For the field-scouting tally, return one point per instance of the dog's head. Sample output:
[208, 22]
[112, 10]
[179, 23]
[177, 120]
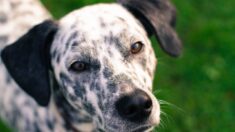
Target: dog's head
[101, 60]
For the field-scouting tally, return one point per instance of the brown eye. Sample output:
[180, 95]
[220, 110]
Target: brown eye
[136, 47]
[78, 66]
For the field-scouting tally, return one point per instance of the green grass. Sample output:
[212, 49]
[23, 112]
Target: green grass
[200, 85]
[4, 128]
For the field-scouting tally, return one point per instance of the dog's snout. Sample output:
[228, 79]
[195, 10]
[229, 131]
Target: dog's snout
[135, 107]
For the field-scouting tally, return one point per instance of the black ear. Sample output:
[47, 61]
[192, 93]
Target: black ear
[27, 60]
[158, 18]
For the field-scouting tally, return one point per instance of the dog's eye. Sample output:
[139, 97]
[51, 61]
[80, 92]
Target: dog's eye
[78, 66]
[136, 47]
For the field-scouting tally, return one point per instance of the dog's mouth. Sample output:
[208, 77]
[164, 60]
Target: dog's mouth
[146, 128]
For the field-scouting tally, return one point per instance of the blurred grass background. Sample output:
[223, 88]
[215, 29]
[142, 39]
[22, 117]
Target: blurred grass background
[200, 85]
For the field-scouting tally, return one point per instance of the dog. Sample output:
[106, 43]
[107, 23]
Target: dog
[92, 70]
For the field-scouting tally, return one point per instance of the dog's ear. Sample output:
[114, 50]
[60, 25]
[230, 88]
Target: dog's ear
[158, 17]
[27, 60]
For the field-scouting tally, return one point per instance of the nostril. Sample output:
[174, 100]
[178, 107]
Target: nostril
[148, 105]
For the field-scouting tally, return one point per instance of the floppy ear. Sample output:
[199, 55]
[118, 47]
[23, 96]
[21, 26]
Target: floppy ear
[158, 18]
[27, 60]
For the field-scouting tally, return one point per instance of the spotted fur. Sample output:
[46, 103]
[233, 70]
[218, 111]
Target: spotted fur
[99, 35]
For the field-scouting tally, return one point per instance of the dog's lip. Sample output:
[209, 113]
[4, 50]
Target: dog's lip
[144, 128]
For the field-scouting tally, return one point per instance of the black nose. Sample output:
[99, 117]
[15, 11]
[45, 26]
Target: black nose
[135, 107]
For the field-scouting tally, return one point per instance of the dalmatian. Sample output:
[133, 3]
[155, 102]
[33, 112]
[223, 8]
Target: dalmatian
[92, 70]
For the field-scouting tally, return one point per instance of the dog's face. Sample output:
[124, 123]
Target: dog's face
[102, 63]
[100, 55]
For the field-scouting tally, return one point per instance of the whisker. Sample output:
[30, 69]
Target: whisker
[156, 91]
[162, 103]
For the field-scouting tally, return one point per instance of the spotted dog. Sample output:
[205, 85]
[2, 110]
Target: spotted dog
[92, 70]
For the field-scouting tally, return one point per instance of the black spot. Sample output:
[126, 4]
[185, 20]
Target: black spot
[35, 114]
[28, 127]
[145, 80]
[53, 54]
[17, 92]
[73, 97]
[8, 79]
[80, 90]
[143, 62]
[72, 37]
[74, 44]
[80, 40]
[149, 72]
[50, 124]
[96, 42]
[107, 72]
[111, 39]
[73, 26]
[89, 108]
[28, 103]
[95, 64]
[112, 87]
[3, 39]
[108, 66]
[100, 100]
[36, 127]
[122, 19]
[58, 57]
[110, 53]
[64, 78]
[15, 115]
[100, 120]
[3, 17]
[102, 23]
[15, 4]
[98, 130]
[85, 119]
[95, 86]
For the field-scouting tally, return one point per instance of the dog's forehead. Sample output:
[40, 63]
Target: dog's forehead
[92, 26]
[101, 18]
